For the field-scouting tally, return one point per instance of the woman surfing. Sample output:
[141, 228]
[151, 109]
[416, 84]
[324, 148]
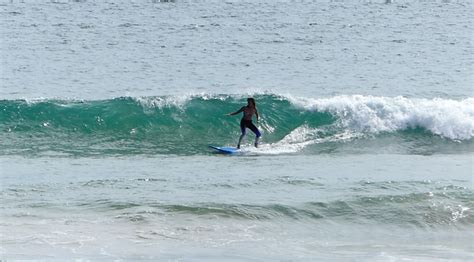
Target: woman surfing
[249, 110]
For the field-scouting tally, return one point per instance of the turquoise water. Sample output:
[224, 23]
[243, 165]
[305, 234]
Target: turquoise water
[107, 110]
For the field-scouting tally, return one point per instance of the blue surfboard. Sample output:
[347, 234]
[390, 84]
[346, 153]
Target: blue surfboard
[225, 149]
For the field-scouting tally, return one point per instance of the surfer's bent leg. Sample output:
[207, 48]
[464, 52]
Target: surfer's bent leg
[257, 133]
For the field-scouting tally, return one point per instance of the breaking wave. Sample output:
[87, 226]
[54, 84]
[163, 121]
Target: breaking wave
[187, 124]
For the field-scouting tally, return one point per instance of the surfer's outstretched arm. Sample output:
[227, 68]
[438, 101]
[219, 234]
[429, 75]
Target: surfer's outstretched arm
[236, 112]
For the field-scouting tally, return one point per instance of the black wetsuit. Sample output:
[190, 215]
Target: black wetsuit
[248, 124]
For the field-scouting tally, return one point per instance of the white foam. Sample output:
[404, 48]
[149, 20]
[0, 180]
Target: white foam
[163, 101]
[291, 143]
[297, 140]
[178, 101]
[452, 119]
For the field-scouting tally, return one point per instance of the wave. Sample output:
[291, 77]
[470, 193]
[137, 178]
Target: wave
[419, 203]
[422, 209]
[187, 124]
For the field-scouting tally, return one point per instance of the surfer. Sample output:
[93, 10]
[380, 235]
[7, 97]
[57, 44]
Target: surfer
[249, 110]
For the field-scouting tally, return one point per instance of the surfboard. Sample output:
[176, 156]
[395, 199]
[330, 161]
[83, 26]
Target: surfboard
[225, 149]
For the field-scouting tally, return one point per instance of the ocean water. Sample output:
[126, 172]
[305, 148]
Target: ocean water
[107, 109]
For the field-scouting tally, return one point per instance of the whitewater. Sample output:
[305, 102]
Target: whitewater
[107, 109]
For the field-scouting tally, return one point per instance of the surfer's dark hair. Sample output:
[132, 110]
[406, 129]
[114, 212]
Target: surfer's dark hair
[252, 102]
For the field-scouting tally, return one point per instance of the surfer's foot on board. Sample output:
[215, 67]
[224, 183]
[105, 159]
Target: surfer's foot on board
[256, 141]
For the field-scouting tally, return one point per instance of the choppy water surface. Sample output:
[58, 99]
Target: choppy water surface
[105, 49]
[107, 109]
